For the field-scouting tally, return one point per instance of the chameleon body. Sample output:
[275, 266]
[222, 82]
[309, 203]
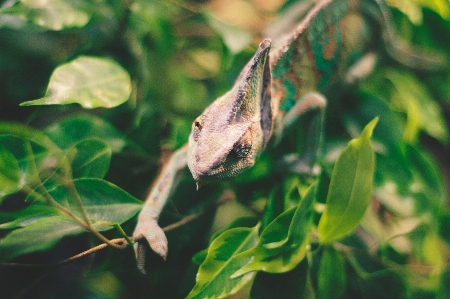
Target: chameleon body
[336, 42]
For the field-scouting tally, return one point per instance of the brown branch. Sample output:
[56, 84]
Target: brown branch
[121, 243]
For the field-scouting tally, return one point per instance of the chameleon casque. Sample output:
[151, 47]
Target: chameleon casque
[336, 43]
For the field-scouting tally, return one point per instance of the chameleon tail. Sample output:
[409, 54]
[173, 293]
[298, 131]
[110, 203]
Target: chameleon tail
[402, 52]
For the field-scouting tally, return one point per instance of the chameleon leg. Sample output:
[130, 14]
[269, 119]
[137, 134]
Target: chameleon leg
[147, 227]
[314, 103]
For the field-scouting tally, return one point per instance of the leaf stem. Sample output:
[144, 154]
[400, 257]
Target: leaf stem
[51, 201]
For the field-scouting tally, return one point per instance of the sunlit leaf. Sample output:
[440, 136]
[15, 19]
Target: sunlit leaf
[413, 8]
[331, 276]
[213, 278]
[51, 14]
[92, 158]
[279, 249]
[423, 113]
[71, 130]
[350, 188]
[9, 173]
[89, 81]
[236, 39]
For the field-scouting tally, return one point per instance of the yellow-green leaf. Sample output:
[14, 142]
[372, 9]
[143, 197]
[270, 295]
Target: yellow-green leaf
[350, 188]
[89, 81]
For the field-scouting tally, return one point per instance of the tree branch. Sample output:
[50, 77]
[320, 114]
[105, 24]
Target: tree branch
[121, 243]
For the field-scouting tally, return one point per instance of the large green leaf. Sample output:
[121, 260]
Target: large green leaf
[103, 202]
[89, 81]
[39, 235]
[213, 278]
[51, 14]
[350, 188]
[92, 158]
[73, 129]
[280, 249]
[101, 199]
[9, 173]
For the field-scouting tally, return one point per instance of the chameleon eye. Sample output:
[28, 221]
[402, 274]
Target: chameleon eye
[197, 127]
[244, 149]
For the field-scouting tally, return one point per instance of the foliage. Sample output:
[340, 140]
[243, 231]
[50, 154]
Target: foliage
[372, 222]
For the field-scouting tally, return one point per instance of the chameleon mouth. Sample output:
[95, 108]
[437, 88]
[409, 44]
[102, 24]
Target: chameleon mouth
[223, 172]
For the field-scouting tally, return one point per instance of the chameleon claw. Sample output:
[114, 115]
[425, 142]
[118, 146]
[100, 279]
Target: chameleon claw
[154, 235]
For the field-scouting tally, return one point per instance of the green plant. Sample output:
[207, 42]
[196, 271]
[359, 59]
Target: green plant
[70, 176]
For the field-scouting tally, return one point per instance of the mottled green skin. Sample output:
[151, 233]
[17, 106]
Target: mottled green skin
[319, 53]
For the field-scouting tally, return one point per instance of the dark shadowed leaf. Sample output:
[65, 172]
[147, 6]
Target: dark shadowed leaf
[76, 128]
[331, 276]
[9, 173]
[289, 285]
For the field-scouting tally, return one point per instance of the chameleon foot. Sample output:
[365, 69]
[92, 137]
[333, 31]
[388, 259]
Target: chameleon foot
[155, 236]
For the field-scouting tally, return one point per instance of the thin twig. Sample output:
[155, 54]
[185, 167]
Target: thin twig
[121, 243]
[51, 201]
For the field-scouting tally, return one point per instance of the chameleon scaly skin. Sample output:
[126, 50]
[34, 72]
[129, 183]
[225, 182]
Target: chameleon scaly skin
[336, 42]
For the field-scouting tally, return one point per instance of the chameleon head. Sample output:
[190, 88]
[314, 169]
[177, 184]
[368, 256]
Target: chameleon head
[227, 136]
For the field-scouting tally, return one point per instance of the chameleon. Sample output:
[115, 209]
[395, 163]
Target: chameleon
[336, 43]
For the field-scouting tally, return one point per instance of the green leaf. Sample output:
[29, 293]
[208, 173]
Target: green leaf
[36, 163]
[89, 81]
[76, 128]
[51, 14]
[21, 131]
[331, 277]
[235, 39]
[103, 201]
[26, 216]
[289, 285]
[280, 249]
[9, 173]
[92, 158]
[213, 277]
[39, 235]
[413, 9]
[422, 111]
[350, 188]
